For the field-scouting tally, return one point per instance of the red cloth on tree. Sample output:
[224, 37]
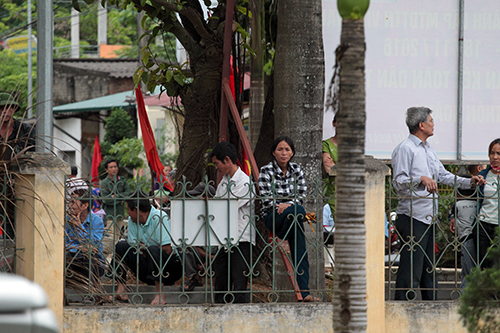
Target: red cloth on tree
[150, 143]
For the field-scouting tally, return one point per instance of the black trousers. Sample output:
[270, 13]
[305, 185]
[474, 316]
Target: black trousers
[79, 267]
[147, 267]
[231, 274]
[289, 225]
[485, 233]
[416, 266]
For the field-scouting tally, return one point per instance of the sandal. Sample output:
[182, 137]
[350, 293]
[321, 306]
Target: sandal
[191, 284]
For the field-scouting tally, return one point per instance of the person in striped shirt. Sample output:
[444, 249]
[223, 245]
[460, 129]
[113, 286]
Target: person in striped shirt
[283, 189]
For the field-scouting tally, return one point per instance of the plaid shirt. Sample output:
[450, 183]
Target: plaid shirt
[276, 188]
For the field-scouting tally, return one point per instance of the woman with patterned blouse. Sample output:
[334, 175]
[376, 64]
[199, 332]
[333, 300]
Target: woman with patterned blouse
[283, 188]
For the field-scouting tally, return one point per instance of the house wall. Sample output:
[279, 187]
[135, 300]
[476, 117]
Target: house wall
[117, 85]
[155, 113]
[66, 147]
[74, 85]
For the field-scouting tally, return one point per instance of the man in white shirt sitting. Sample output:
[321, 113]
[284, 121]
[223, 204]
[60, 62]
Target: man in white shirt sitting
[234, 184]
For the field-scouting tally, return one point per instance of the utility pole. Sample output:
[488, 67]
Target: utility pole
[102, 26]
[45, 28]
[30, 65]
[75, 34]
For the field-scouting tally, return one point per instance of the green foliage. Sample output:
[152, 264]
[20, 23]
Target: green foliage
[129, 152]
[141, 182]
[269, 66]
[122, 26]
[163, 48]
[121, 144]
[13, 14]
[156, 71]
[162, 141]
[14, 76]
[479, 305]
[119, 125]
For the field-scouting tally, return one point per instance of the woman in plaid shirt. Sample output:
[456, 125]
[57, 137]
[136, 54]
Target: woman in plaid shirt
[283, 188]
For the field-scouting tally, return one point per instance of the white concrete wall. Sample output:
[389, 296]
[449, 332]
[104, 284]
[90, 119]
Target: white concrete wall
[63, 143]
[157, 112]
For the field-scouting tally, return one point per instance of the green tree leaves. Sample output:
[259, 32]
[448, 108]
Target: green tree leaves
[119, 125]
[14, 76]
[479, 307]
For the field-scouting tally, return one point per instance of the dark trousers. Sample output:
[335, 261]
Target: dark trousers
[484, 233]
[79, 268]
[231, 274]
[289, 225]
[416, 260]
[147, 266]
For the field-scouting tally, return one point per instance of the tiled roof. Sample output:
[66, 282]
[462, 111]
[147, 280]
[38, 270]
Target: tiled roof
[118, 68]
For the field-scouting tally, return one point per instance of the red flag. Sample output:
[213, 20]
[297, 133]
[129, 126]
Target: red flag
[246, 163]
[149, 141]
[96, 161]
[231, 77]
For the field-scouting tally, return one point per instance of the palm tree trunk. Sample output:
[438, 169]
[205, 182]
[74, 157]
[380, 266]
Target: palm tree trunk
[349, 299]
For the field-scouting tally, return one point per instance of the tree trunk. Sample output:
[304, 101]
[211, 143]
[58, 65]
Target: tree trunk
[257, 73]
[299, 94]
[350, 279]
[201, 102]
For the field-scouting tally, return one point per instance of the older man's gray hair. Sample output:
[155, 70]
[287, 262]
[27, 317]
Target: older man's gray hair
[415, 116]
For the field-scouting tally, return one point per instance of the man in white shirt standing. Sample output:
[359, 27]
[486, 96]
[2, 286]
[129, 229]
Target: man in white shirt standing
[417, 170]
[234, 184]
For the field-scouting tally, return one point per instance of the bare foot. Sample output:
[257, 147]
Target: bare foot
[120, 294]
[309, 298]
[156, 300]
[284, 245]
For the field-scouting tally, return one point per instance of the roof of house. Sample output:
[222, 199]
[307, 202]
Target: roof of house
[118, 68]
[124, 100]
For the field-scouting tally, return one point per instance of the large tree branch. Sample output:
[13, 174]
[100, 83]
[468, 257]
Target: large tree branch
[165, 16]
[191, 14]
[184, 37]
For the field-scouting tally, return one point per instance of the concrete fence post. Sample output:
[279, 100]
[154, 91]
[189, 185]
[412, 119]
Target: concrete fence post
[376, 171]
[39, 193]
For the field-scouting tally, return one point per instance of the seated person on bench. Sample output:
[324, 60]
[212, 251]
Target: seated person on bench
[83, 239]
[148, 245]
[232, 265]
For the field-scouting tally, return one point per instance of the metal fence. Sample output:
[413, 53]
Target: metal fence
[210, 259]
[431, 260]
[219, 252]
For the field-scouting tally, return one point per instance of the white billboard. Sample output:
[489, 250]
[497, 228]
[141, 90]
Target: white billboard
[412, 60]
